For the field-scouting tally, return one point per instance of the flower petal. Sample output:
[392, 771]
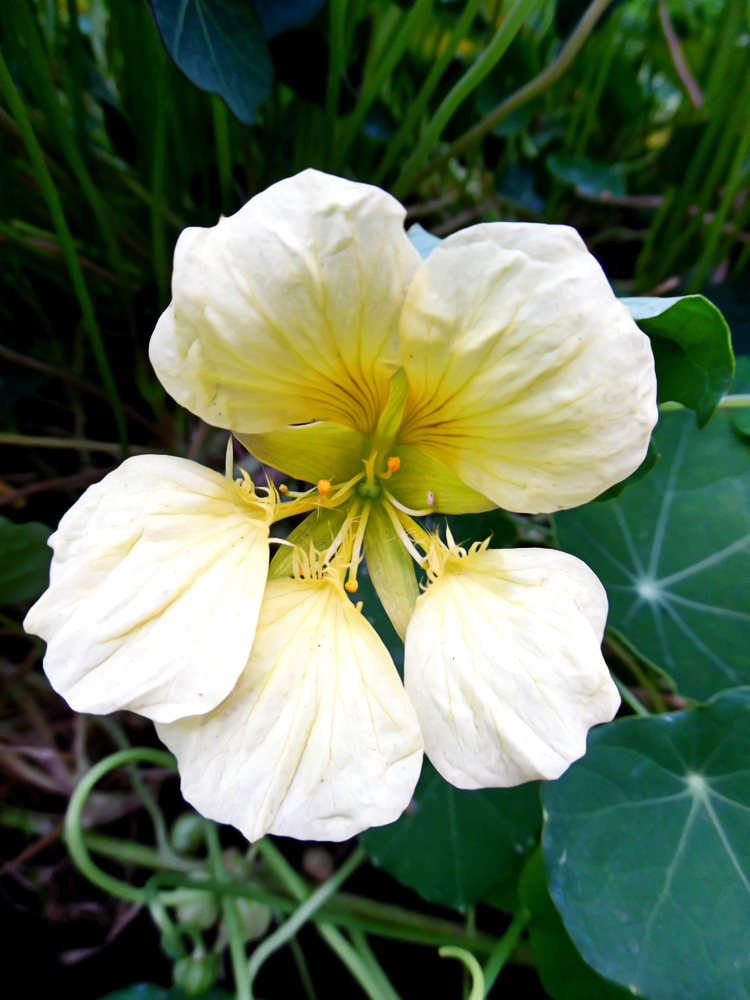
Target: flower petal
[155, 587]
[287, 311]
[311, 451]
[318, 740]
[529, 379]
[504, 668]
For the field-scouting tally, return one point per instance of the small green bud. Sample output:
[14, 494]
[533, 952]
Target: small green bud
[188, 833]
[196, 975]
[197, 909]
[254, 918]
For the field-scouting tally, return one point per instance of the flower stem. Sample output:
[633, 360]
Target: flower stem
[503, 948]
[303, 913]
[232, 923]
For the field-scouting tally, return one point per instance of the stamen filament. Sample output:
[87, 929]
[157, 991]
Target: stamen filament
[229, 458]
[334, 546]
[351, 584]
[402, 534]
[407, 510]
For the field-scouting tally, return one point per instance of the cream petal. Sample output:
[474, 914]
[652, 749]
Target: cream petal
[529, 379]
[287, 311]
[318, 740]
[155, 588]
[504, 667]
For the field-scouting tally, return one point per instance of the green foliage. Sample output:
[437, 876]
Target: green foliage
[24, 560]
[692, 350]
[647, 850]
[150, 991]
[564, 974]
[457, 847]
[587, 176]
[670, 552]
[220, 45]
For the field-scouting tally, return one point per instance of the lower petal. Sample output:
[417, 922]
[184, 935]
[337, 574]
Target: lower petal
[504, 667]
[155, 587]
[318, 740]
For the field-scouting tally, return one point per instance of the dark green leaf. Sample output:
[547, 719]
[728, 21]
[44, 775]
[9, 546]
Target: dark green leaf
[150, 991]
[740, 419]
[692, 350]
[588, 176]
[280, 15]
[564, 974]
[24, 560]
[647, 851]
[453, 846]
[673, 554]
[646, 466]
[220, 46]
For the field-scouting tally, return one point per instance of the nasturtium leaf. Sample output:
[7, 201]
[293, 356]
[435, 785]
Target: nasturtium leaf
[646, 466]
[24, 560]
[423, 241]
[151, 991]
[740, 418]
[453, 846]
[674, 553]
[280, 15]
[589, 177]
[647, 851]
[564, 974]
[219, 45]
[692, 350]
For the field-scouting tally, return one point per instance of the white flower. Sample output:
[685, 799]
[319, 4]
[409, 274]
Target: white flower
[500, 371]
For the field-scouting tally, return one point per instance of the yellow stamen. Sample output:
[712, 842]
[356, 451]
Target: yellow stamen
[351, 584]
[393, 463]
[402, 534]
[406, 510]
[283, 488]
[324, 487]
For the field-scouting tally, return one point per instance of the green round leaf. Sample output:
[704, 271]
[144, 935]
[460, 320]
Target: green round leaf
[564, 974]
[220, 46]
[24, 560]
[673, 552]
[647, 851]
[589, 177]
[453, 846]
[280, 15]
[692, 349]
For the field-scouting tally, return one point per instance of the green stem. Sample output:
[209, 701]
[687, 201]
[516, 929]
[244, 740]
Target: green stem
[303, 913]
[242, 980]
[635, 668]
[336, 65]
[527, 93]
[502, 950]
[360, 942]
[470, 963]
[433, 79]
[223, 151]
[740, 401]
[471, 79]
[295, 884]
[74, 836]
[158, 183]
[304, 973]
[44, 179]
[381, 72]
[629, 697]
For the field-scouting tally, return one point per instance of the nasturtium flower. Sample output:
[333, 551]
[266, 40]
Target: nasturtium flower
[499, 371]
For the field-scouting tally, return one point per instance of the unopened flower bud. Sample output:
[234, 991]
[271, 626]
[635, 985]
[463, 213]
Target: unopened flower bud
[196, 975]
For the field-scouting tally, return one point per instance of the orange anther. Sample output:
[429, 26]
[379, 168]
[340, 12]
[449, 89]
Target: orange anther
[324, 487]
[351, 586]
[393, 463]
[283, 489]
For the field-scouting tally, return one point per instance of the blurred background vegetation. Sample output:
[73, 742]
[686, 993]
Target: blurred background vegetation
[628, 120]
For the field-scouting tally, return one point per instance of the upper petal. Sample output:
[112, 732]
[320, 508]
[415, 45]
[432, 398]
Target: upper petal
[155, 587]
[287, 311]
[529, 379]
[318, 740]
[504, 668]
